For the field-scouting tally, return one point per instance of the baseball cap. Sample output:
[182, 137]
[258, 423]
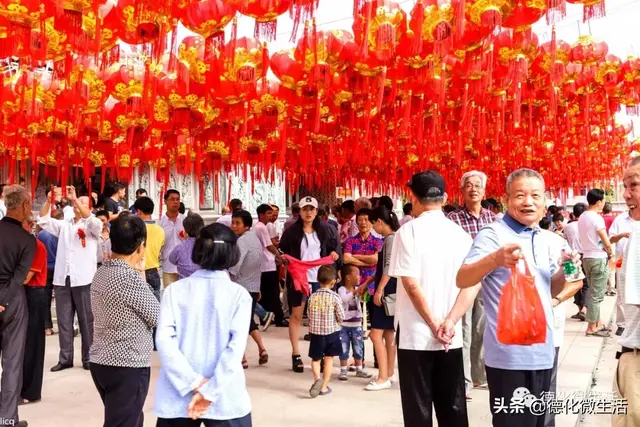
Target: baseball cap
[427, 184]
[308, 201]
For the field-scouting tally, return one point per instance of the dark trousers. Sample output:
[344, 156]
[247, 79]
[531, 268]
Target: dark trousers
[270, 290]
[502, 383]
[13, 335]
[550, 417]
[68, 302]
[33, 369]
[254, 300]
[123, 392]
[581, 298]
[432, 379]
[155, 283]
[48, 321]
[187, 422]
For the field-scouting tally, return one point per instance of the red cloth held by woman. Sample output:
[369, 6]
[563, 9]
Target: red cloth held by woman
[298, 270]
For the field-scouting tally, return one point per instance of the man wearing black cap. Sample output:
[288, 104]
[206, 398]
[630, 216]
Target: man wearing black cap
[429, 363]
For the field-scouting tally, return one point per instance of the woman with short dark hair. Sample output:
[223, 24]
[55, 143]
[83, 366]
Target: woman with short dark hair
[201, 339]
[125, 312]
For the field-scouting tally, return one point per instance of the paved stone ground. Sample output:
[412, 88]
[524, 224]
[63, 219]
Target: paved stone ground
[280, 397]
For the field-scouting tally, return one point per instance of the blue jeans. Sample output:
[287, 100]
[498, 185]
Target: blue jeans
[260, 311]
[352, 336]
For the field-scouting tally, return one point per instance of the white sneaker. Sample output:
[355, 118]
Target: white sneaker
[372, 386]
[393, 379]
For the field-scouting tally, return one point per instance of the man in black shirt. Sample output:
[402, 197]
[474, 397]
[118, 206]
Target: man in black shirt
[112, 204]
[17, 249]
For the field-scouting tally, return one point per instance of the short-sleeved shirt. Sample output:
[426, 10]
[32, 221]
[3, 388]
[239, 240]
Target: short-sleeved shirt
[433, 263]
[268, 259]
[111, 206]
[355, 245]
[39, 266]
[153, 246]
[469, 223]
[589, 224]
[573, 236]
[622, 224]
[246, 272]
[537, 249]
[559, 312]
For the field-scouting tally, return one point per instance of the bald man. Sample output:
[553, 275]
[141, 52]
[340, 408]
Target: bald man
[76, 263]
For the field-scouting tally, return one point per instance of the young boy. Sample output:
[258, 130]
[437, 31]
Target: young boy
[325, 315]
[351, 333]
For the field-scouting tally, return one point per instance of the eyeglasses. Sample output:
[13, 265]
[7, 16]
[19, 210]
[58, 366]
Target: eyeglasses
[472, 186]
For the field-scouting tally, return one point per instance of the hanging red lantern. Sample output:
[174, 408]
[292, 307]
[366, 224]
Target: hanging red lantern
[524, 14]
[142, 21]
[209, 18]
[588, 51]
[592, 8]
[378, 27]
[485, 13]
[265, 12]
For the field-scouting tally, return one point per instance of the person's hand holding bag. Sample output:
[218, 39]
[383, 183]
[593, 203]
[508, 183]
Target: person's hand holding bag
[521, 317]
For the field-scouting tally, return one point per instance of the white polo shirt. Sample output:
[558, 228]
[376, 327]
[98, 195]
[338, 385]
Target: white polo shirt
[589, 224]
[268, 259]
[430, 249]
[621, 224]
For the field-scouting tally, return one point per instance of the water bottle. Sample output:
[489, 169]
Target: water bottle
[571, 271]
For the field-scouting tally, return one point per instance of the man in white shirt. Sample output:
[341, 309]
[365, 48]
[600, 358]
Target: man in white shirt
[171, 223]
[3, 208]
[430, 366]
[235, 205]
[572, 236]
[596, 250]
[269, 285]
[626, 382]
[76, 263]
[619, 234]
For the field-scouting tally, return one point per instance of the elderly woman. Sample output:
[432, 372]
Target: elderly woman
[181, 255]
[201, 339]
[125, 312]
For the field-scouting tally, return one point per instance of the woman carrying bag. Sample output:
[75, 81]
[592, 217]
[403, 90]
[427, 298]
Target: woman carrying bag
[382, 335]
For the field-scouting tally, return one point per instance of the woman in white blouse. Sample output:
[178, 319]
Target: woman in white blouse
[201, 339]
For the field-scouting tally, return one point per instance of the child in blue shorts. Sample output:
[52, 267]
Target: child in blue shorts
[351, 333]
[325, 315]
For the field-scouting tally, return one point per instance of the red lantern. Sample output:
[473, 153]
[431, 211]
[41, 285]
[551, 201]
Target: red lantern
[378, 27]
[592, 8]
[208, 18]
[265, 12]
[588, 51]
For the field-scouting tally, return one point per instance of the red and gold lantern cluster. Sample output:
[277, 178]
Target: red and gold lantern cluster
[452, 85]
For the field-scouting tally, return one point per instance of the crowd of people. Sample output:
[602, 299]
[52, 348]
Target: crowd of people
[425, 289]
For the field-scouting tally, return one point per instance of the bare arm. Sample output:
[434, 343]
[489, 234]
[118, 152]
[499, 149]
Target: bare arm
[464, 302]
[350, 259]
[471, 274]
[419, 302]
[368, 260]
[565, 290]
[29, 276]
[605, 240]
[46, 208]
[615, 239]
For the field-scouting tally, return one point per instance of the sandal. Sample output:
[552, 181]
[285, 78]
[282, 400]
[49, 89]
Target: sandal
[48, 332]
[23, 402]
[264, 358]
[245, 364]
[296, 364]
[599, 333]
[324, 393]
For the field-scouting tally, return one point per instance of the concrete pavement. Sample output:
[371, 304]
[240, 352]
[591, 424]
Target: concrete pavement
[280, 397]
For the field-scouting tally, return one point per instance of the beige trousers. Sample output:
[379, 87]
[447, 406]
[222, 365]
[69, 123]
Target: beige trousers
[626, 384]
[169, 278]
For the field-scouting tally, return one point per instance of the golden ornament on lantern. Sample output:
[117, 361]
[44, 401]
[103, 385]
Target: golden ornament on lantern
[436, 17]
[265, 13]
[378, 27]
[486, 13]
[588, 51]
